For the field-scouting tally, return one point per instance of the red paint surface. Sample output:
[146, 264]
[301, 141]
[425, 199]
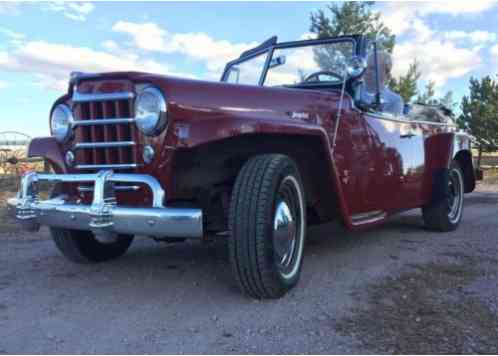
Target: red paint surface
[375, 166]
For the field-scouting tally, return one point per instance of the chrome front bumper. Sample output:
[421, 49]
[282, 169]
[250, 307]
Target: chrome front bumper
[103, 216]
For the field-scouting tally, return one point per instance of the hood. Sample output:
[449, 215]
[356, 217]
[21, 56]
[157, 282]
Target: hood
[208, 99]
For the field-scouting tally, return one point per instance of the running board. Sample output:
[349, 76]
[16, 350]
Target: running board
[368, 217]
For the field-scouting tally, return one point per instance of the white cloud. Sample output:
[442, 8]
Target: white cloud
[77, 11]
[438, 60]
[3, 84]
[477, 37]
[147, 36]
[308, 36]
[494, 50]
[442, 55]
[9, 8]
[110, 45]
[52, 63]
[11, 34]
[399, 16]
[196, 45]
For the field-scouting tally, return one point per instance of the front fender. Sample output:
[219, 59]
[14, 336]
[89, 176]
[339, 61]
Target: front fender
[200, 132]
[210, 131]
[49, 149]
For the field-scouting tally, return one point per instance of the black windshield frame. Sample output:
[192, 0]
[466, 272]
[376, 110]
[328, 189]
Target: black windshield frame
[359, 48]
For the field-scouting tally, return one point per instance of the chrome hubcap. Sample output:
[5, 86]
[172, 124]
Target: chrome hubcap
[288, 228]
[284, 235]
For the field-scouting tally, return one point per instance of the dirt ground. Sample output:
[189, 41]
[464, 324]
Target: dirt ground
[394, 289]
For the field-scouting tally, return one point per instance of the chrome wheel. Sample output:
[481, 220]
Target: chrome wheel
[288, 228]
[455, 195]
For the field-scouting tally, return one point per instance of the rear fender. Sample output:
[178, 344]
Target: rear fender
[441, 150]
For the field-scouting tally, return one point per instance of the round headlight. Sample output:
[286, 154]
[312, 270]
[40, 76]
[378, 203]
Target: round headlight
[61, 122]
[150, 111]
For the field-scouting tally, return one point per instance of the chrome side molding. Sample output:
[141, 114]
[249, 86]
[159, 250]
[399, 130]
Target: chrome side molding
[368, 217]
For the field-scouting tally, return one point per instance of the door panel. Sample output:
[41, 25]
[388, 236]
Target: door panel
[399, 155]
[355, 165]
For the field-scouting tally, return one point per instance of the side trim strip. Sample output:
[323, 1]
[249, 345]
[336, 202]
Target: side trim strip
[404, 121]
[368, 217]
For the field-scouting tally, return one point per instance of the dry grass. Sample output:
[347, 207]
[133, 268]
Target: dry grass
[8, 188]
[490, 177]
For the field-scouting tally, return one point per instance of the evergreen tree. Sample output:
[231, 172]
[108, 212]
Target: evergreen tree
[358, 17]
[350, 18]
[480, 114]
[429, 96]
[406, 85]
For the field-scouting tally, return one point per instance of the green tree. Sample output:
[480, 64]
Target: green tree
[448, 101]
[406, 85]
[350, 18]
[480, 114]
[358, 17]
[429, 96]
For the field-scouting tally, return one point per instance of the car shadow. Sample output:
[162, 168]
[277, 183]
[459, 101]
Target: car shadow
[206, 265]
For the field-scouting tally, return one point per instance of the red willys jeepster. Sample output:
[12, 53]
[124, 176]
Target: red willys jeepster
[294, 134]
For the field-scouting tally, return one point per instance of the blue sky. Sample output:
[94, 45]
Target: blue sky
[40, 43]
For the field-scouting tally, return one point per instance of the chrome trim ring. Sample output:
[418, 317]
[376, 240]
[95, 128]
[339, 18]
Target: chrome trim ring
[455, 195]
[70, 123]
[288, 228]
[143, 116]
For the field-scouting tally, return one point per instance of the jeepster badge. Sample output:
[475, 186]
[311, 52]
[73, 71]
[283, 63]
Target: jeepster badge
[299, 115]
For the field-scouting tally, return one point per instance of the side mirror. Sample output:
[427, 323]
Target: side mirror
[277, 61]
[356, 66]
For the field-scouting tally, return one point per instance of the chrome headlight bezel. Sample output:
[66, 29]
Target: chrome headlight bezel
[63, 131]
[151, 122]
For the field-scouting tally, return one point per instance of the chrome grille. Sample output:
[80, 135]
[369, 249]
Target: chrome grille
[105, 133]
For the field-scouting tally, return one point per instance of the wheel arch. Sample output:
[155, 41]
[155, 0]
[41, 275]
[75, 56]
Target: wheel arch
[464, 159]
[216, 164]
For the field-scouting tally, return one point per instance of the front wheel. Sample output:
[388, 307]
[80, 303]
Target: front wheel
[84, 247]
[267, 225]
[446, 213]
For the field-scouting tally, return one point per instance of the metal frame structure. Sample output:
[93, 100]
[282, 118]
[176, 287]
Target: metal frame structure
[271, 44]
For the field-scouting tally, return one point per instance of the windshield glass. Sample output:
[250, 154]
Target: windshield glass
[323, 63]
[306, 63]
[248, 71]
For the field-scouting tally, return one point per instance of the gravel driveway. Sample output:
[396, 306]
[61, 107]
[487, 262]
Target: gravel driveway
[394, 289]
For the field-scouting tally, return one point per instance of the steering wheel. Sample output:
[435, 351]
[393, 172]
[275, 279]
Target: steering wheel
[314, 77]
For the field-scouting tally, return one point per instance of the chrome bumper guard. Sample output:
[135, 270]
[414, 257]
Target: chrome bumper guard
[103, 216]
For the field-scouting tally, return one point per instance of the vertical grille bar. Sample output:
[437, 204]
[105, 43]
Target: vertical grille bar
[133, 132]
[120, 135]
[93, 132]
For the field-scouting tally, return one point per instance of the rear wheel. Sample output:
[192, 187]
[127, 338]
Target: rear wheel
[267, 226]
[83, 247]
[446, 213]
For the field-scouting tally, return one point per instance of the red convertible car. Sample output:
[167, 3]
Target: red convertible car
[294, 134]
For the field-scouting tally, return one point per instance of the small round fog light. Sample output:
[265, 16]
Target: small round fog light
[70, 158]
[148, 154]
